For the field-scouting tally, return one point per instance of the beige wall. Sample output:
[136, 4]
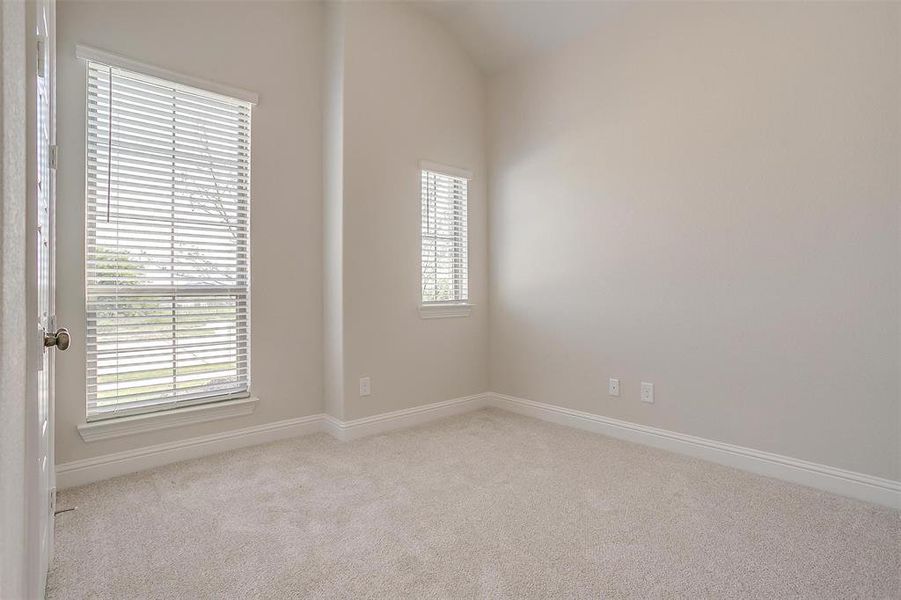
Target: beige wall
[706, 197]
[275, 50]
[335, 198]
[702, 196]
[410, 94]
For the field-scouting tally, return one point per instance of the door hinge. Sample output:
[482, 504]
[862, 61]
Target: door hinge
[42, 61]
[54, 156]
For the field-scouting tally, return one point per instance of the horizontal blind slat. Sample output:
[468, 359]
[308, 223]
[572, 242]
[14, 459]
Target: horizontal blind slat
[152, 84]
[127, 89]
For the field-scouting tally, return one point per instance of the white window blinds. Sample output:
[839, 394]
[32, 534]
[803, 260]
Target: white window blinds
[167, 244]
[445, 263]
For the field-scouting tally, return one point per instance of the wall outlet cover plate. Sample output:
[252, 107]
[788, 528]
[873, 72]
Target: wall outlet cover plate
[647, 392]
[613, 387]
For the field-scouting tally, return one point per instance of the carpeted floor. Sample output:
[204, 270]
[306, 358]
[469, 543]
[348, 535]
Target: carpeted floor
[488, 504]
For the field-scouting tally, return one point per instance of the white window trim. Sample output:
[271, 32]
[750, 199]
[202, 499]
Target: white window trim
[425, 165]
[445, 310]
[206, 409]
[228, 92]
[94, 431]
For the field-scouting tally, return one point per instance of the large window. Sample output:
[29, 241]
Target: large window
[167, 244]
[445, 261]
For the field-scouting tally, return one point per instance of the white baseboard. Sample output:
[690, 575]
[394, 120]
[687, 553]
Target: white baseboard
[838, 481]
[89, 470]
[81, 472]
[357, 428]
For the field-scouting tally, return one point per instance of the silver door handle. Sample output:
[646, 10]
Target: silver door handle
[60, 339]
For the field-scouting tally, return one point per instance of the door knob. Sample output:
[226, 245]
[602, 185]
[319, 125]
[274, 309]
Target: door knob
[60, 339]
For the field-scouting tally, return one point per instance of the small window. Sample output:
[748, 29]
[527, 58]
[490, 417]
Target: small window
[445, 260]
[167, 274]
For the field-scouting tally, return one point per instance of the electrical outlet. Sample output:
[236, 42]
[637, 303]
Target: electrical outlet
[364, 386]
[647, 392]
[613, 387]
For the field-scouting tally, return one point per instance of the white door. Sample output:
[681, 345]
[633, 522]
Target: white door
[46, 337]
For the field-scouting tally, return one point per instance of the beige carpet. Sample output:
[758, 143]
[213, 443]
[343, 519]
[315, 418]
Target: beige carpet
[488, 504]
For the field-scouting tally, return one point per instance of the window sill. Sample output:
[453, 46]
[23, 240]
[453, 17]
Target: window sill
[164, 419]
[444, 311]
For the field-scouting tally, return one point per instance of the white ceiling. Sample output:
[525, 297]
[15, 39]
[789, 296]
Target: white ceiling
[498, 34]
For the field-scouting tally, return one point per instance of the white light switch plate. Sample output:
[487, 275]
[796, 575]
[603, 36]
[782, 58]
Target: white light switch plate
[364, 386]
[647, 392]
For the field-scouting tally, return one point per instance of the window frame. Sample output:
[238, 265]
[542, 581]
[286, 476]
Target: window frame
[457, 307]
[200, 407]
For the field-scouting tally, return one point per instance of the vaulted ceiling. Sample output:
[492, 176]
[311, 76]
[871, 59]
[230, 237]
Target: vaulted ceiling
[498, 34]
